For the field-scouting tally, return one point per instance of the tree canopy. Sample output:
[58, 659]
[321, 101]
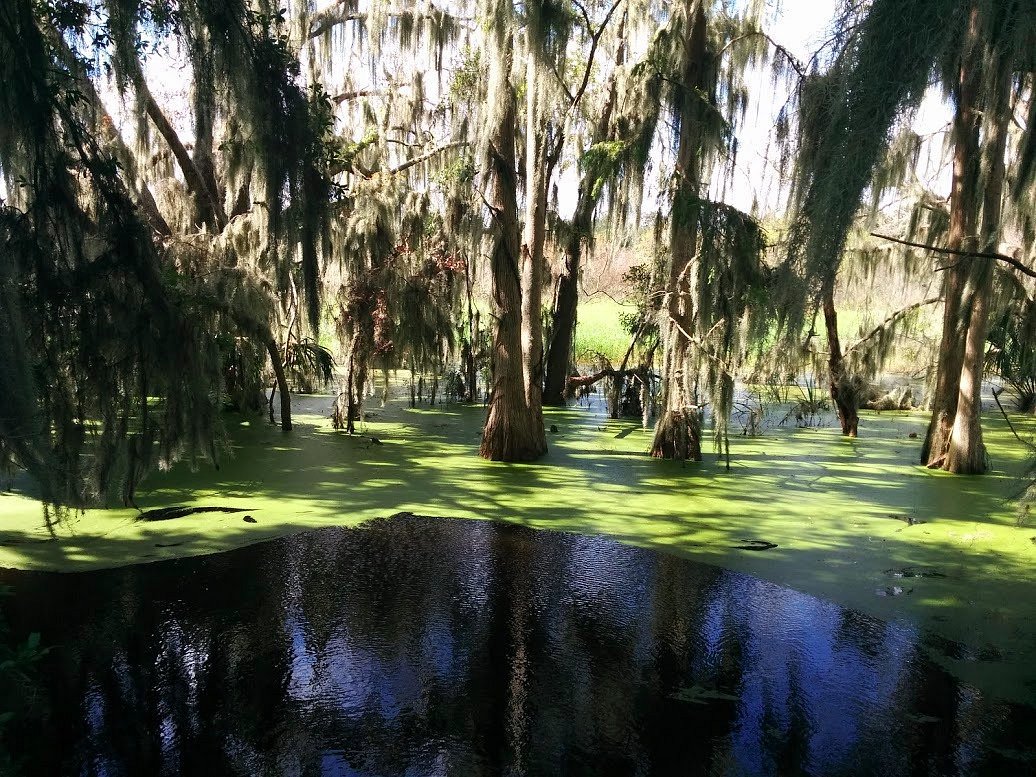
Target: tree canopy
[205, 200]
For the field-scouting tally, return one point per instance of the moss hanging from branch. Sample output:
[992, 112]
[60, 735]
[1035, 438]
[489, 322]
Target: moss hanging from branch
[117, 346]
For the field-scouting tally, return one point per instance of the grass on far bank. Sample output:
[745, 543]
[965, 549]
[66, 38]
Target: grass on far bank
[599, 329]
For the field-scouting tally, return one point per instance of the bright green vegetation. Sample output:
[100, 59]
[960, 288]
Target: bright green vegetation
[838, 510]
[194, 249]
[600, 330]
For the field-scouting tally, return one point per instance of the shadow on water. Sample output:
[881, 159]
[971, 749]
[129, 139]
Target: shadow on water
[429, 646]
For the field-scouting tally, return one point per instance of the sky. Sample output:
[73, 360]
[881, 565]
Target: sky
[801, 26]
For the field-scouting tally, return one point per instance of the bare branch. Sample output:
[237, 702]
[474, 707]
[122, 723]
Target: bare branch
[595, 39]
[901, 313]
[335, 15]
[967, 254]
[425, 157]
[795, 64]
[122, 153]
[338, 99]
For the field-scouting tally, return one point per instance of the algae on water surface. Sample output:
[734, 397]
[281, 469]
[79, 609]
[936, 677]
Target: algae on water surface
[842, 513]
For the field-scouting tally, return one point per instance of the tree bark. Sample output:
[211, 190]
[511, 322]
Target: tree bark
[845, 400]
[966, 454]
[204, 128]
[678, 431]
[470, 348]
[563, 316]
[356, 379]
[534, 233]
[282, 382]
[963, 211]
[563, 322]
[513, 432]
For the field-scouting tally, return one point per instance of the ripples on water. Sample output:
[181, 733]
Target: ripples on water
[444, 647]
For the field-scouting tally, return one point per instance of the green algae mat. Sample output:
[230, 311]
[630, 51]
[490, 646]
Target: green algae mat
[854, 521]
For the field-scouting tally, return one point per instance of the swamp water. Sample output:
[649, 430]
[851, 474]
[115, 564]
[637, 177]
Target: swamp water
[426, 646]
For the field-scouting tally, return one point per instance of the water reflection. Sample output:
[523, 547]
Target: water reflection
[439, 647]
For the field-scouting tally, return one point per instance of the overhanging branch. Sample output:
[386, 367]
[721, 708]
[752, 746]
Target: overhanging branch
[901, 313]
[967, 254]
[339, 13]
[425, 157]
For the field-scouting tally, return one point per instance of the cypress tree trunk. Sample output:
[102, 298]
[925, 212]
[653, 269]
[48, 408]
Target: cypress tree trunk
[966, 453]
[512, 431]
[678, 431]
[413, 383]
[563, 316]
[205, 121]
[534, 233]
[559, 352]
[282, 383]
[351, 413]
[469, 348]
[843, 397]
[963, 211]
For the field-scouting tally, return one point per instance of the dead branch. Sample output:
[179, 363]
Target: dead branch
[901, 313]
[967, 254]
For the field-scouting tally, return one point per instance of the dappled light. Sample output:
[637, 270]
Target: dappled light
[686, 348]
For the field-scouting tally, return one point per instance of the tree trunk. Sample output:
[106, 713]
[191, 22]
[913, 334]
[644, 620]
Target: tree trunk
[678, 431]
[966, 454]
[963, 212]
[350, 376]
[533, 236]
[513, 431]
[471, 347]
[282, 383]
[360, 385]
[204, 125]
[844, 398]
[563, 316]
[413, 383]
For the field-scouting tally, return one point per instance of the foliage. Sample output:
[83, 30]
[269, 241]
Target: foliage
[114, 360]
[309, 364]
[1012, 354]
[148, 280]
[847, 115]
[17, 670]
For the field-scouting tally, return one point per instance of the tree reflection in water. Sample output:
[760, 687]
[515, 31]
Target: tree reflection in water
[428, 646]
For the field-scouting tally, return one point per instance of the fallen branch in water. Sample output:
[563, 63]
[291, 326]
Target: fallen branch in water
[168, 513]
[581, 381]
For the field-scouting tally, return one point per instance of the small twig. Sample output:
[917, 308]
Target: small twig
[795, 64]
[996, 398]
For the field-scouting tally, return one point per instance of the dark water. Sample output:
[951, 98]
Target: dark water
[433, 647]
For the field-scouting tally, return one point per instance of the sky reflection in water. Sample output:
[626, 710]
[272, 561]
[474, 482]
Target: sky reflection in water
[432, 647]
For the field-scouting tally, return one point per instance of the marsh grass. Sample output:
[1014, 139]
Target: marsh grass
[599, 330]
